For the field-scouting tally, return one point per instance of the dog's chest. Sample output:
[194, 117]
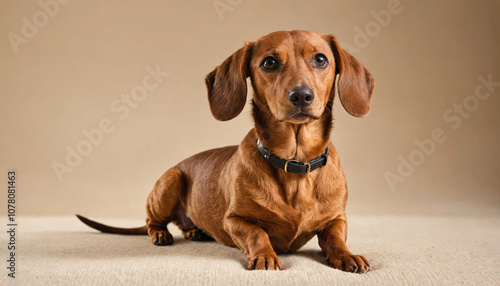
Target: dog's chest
[287, 234]
[303, 216]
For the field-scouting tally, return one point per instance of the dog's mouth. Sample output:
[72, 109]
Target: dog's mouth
[303, 115]
[300, 117]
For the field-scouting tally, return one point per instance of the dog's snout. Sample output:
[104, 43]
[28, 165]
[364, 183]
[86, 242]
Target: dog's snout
[301, 96]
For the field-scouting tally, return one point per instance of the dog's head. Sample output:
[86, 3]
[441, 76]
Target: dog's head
[293, 73]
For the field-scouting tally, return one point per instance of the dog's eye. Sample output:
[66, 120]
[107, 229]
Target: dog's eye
[321, 61]
[269, 64]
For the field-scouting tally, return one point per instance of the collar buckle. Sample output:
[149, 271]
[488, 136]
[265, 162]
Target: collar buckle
[298, 163]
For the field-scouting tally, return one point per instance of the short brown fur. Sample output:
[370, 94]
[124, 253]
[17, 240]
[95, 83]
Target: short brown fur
[233, 194]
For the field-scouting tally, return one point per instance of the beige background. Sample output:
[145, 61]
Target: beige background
[64, 79]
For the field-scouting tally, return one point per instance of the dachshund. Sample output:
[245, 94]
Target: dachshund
[284, 183]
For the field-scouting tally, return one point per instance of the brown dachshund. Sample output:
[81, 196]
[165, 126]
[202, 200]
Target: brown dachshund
[284, 183]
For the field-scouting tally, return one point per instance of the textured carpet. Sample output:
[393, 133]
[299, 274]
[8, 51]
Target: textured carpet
[402, 251]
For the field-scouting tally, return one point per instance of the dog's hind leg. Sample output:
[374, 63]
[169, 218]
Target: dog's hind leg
[162, 206]
[189, 230]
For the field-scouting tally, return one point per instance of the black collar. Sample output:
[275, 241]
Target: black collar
[292, 166]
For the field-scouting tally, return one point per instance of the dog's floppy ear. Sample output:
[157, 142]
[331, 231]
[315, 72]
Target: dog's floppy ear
[227, 84]
[355, 84]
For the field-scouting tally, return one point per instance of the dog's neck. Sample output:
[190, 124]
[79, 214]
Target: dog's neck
[301, 142]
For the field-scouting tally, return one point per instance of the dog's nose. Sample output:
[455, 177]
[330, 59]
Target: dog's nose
[301, 96]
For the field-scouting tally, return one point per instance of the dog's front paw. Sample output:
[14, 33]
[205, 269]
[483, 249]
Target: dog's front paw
[161, 238]
[349, 262]
[265, 262]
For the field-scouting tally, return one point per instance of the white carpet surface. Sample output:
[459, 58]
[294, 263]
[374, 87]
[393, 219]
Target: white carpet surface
[402, 251]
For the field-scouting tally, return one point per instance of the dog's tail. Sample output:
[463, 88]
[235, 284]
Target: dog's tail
[109, 229]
